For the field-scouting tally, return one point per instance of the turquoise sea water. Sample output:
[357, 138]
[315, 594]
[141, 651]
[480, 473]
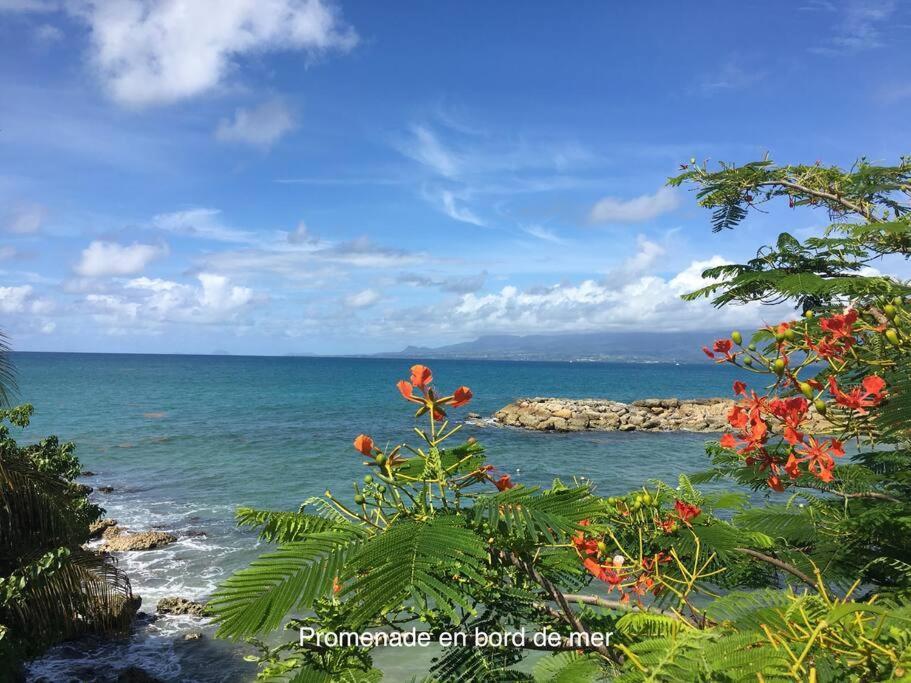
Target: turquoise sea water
[184, 440]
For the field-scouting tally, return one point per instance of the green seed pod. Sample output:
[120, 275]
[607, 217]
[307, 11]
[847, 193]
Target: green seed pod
[736, 337]
[892, 336]
[368, 479]
[748, 361]
[646, 499]
[790, 334]
[381, 459]
[359, 499]
[820, 406]
[890, 310]
[779, 365]
[806, 389]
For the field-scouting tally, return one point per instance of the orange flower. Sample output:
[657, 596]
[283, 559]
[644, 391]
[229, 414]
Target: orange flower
[859, 399]
[407, 391]
[740, 388]
[461, 396]
[421, 376]
[364, 444]
[503, 483]
[685, 511]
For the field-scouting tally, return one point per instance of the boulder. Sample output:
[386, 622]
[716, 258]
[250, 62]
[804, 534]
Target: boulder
[105, 489]
[178, 605]
[143, 540]
[100, 528]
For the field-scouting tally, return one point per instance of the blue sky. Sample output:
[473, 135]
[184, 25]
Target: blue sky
[293, 176]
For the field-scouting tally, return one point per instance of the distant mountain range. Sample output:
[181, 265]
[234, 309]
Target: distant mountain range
[641, 347]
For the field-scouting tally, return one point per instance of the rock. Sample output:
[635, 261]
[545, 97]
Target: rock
[143, 540]
[100, 528]
[474, 416]
[193, 635]
[134, 674]
[651, 414]
[112, 531]
[83, 489]
[105, 489]
[86, 473]
[177, 605]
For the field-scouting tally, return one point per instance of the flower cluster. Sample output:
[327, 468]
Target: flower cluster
[770, 431]
[421, 378]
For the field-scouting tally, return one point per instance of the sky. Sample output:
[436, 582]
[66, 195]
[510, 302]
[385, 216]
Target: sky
[307, 176]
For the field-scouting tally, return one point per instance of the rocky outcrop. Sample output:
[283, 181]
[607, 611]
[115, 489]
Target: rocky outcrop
[179, 606]
[102, 528]
[647, 415]
[143, 540]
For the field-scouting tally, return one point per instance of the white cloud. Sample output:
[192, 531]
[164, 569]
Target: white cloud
[7, 252]
[425, 148]
[22, 299]
[14, 299]
[456, 212]
[630, 303]
[260, 126]
[200, 223]
[302, 235]
[860, 25]
[637, 210]
[363, 299]
[25, 219]
[159, 52]
[48, 34]
[147, 303]
[109, 258]
[543, 233]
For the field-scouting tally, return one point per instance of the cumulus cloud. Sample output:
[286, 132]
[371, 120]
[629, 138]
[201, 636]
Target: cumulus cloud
[109, 258]
[260, 126]
[637, 210]
[156, 52]
[22, 299]
[25, 219]
[146, 303]
[363, 299]
[644, 302]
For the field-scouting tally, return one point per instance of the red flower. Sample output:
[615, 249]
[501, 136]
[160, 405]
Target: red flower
[868, 395]
[686, 511]
[819, 457]
[791, 412]
[724, 346]
[728, 440]
[707, 352]
[504, 483]
[775, 484]
[840, 327]
[461, 396]
[601, 573]
[421, 376]
[364, 444]
[740, 389]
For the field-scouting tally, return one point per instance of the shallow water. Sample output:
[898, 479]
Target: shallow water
[184, 440]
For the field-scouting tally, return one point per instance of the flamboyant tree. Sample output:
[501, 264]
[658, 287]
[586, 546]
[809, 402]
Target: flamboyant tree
[800, 570]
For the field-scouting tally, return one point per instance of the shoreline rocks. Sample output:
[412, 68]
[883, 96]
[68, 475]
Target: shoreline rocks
[647, 415]
[180, 606]
[142, 540]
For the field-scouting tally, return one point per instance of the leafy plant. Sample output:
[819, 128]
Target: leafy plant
[811, 584]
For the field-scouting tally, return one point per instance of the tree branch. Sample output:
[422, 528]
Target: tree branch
[820, 194]
[780, 564]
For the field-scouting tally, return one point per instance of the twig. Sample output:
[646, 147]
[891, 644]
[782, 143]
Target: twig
[775, 562]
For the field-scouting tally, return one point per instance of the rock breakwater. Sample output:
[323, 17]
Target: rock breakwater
[647, 415]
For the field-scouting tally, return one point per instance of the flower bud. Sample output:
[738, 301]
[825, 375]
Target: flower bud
[890, 310]
[736, 337]
[897, 301]
[808, 314]
[359, 499]
[381, 459]
[820, 406]
[602, 547]
[806, 389]
[892, 336]
[790, 334]
[752, 347]
[368, 479]
[748, 361]
[779, 365]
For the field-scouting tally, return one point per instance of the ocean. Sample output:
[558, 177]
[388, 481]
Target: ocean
[184, 440]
